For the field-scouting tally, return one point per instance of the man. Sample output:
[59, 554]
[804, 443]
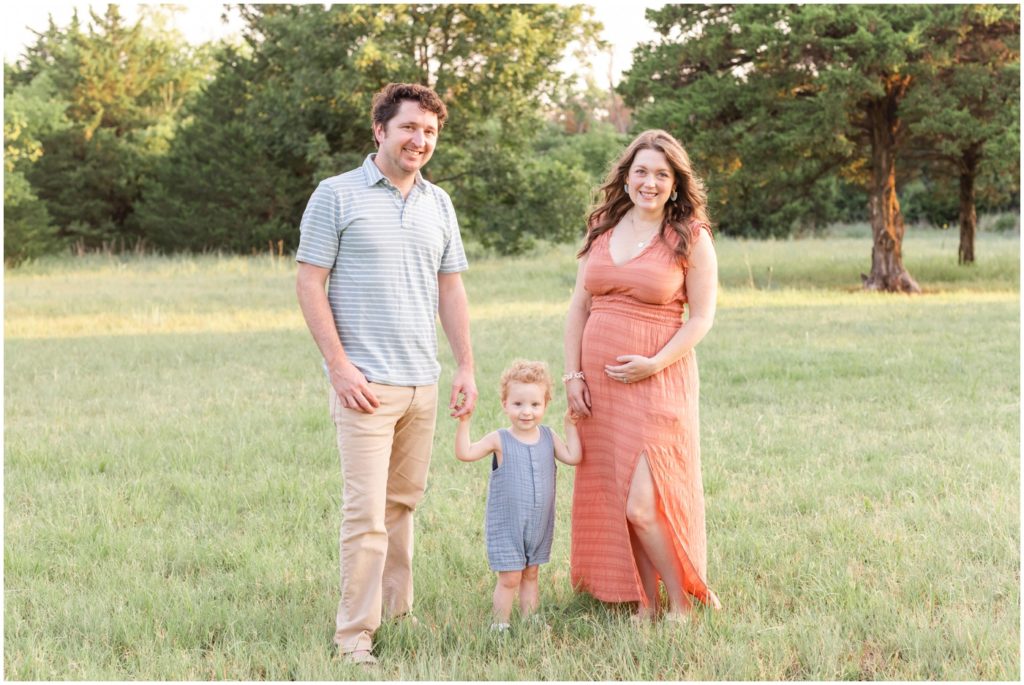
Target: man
[389, 244]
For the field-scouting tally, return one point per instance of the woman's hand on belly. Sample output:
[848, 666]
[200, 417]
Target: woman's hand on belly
[634, 368]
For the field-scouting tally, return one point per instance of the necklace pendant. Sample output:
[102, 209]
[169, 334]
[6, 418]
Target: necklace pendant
[641, 243]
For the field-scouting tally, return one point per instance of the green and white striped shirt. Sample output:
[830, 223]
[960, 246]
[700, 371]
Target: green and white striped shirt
[384, 254]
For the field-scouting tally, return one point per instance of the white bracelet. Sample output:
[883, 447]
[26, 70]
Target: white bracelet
[572, 376]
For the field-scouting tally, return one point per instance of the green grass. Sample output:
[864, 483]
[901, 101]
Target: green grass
[172, 487]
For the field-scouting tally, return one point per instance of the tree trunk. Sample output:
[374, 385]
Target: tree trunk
[887, 271]
[968, 212]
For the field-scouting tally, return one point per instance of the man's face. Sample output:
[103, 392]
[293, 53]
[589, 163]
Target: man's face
[407, 141]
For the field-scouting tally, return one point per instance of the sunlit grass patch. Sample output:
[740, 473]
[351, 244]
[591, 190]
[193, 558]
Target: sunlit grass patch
[153, 321]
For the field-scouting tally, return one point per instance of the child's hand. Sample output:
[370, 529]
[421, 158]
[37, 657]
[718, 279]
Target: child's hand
[571, 451]
[465, 417]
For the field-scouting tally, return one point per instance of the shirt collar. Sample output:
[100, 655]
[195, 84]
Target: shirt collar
[374, 175]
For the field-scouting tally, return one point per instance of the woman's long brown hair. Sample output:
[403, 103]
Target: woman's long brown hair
[689, 206]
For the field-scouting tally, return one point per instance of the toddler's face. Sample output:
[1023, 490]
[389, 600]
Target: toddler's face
[524, 406]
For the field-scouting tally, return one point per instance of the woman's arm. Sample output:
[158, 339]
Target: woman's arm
[467, 451]
[702, 293]
[576, 390]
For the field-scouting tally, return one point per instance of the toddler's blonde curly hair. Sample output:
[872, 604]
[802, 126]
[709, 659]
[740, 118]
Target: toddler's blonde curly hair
[524, 371]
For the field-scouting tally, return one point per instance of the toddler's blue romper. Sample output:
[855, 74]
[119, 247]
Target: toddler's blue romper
[520, 521]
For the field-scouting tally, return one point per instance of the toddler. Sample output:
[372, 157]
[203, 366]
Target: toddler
[520, 518]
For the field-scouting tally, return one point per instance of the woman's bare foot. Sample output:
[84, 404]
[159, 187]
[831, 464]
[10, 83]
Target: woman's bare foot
[643, 615]
[680, 610]
[679, 618]
[712, 600]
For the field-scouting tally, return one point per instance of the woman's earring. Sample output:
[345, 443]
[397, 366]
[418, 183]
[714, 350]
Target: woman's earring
[673, 196]
[625, 188]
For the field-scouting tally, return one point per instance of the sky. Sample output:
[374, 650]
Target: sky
[624, 24]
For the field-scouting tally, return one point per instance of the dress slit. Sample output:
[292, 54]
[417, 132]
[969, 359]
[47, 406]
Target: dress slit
[692, 581]
[625, 518]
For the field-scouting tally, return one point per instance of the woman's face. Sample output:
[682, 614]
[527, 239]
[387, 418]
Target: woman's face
[650, 180]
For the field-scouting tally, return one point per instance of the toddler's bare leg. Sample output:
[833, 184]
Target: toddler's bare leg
[505, 594]
[529, 591]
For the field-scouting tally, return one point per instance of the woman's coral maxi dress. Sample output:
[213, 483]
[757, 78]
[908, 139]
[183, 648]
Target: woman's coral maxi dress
[636, 308]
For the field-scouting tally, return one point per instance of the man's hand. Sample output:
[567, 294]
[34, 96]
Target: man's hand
[352, 388]
[463, 385]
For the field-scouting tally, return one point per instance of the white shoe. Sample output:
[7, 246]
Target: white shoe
[361, 657]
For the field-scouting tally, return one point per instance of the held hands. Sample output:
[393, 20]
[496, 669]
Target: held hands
[636, 368]
[578, 395]
[570, 452]
[463, 398]
[352, 388]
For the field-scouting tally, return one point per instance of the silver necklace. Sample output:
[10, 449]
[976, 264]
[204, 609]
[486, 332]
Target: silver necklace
[651, 232]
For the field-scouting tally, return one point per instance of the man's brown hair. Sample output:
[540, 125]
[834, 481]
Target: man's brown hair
[387, 101]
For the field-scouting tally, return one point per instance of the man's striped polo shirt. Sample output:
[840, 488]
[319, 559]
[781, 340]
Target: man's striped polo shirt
[384, 254]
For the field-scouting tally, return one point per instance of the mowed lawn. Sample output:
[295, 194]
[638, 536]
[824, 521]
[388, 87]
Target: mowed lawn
[172, 488]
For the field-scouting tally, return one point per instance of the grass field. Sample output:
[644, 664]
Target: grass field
[172, 488]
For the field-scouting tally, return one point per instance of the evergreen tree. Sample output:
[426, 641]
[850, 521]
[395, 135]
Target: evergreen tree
[221, 187]
[123, 86]
[297, 111]
[717, 81]
[965, 112]
[785, 96]
[32, 110]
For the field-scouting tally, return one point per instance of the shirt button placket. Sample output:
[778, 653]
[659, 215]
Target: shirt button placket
[406, 209]
[534, 473]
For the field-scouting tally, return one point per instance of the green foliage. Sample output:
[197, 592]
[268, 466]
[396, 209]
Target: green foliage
[28, 228]
[120, 89]
[931, 200]
[932, 196]
[217, 189]
[1006, 223]
[293, 108]
[593, 152]
[123, 135]
[730, 94]
[775, 102]
[261, 134]
[968, 93]
[964, 113]
[541, 192]
[31, 111]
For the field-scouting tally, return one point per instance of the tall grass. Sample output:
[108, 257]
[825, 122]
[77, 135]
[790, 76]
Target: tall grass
[172, 487]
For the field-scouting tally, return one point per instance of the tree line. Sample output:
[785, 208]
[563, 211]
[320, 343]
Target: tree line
[123, 136]
[788, 106]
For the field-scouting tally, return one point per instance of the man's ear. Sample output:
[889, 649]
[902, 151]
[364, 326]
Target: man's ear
[378, 133]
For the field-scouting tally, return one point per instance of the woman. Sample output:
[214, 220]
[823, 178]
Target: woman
[638, 502]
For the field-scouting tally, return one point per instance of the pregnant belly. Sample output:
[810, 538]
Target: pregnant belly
[608, 335]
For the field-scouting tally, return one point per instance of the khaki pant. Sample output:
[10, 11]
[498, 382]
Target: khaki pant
[384, 460]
